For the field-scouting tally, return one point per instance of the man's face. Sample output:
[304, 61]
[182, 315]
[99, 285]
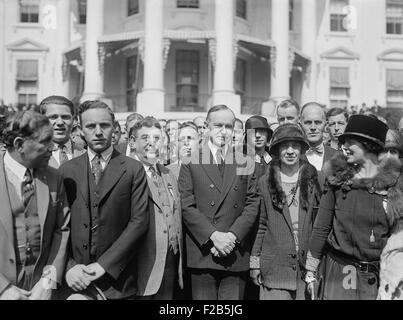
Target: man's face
[148, 142]
[259, 140]
[37, 151]
[238, 134]
[172, 128]
[188, 142]
[116, 135]
[287, 115]
[97, 127]
[221, 127]
[313, 123]
[290, 153]
[337, 125]
[200, 122]
[62, 121]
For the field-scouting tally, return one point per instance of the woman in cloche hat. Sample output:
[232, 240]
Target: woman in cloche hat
[353, 223]
[289, 192]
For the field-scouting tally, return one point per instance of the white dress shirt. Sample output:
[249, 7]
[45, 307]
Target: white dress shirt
[105, 156]
[214, 150]
[315, 158]
[68, 150]
[15, 173]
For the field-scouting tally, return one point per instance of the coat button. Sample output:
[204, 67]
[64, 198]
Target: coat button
[11, 261]
[212, 186]
[165, 231]
[212, 203]
[85, 246]
[85, 226]
[293, 256]
[235, 206]
[236, 188]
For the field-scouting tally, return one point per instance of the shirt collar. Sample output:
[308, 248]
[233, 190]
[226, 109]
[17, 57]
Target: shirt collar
[214, 149]
[68, 147]
[319, 150]
[105, 155]
[266, 157]
[17, 168]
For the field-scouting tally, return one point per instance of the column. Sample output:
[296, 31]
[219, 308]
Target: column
[63, 34]
[223, 91]
[151, 99]
[308, 39]
[2, 49]
[94, 82]
[280, 75]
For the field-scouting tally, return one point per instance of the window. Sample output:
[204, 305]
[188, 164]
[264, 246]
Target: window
[394, 17]
[240, 78]
[27, 82]
[29, 11]
[291, 15]
[82, 11]
[337, 17]
[132, 87]
[394, 87]
[339, 86]
[241, 9]
[187, 4]
[132, 7]
[187, 78]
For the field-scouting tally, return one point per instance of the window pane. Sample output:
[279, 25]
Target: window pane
[29, 11]
[241, 8]
[27, 70]
[339, 77]
[187, 77]
[133, 7]
[187, 3]
[240, 76]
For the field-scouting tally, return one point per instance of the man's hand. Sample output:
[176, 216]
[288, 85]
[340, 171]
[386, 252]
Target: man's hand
[77, 277]
[42, 290]
[223, 242]
[96, 271]
[215, 252]
[255, 276]
[311, 282]
[14, 293]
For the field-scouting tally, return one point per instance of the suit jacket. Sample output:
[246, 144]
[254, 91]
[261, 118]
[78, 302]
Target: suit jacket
[274, 247]
[122, 220]
[121, 148]
[154, 247]
[54, 216]
[211, 203]
[55, 164]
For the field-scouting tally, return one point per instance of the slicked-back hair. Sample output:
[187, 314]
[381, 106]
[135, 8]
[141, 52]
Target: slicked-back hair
[59, 100]
[95, 104]
[23, 124]
[147, 122]
[133, 117]
[216, 108]
[335, 112]
[239, 121]
[313, 103]
[289, 103]
[188, 124]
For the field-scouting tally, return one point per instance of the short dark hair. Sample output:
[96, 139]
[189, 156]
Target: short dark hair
[95, 104]
[116, 124]
[216, 108]
[188, 124]
[23, 124]
[148, 122]
[335, 112]
[133, 116]
[313, 103]
[60, 100]
[288, 103]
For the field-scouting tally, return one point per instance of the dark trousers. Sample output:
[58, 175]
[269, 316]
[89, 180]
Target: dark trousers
[169, 284]
[208, 284]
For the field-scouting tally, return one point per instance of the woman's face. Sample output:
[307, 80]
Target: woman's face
[354, 150]
[290, 152]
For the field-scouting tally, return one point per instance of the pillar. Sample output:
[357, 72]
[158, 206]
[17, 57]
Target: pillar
[63, 42]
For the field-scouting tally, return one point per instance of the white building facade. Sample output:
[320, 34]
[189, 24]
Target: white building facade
[176, 58]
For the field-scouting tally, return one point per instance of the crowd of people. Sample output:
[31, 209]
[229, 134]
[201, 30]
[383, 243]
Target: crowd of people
[209, 209]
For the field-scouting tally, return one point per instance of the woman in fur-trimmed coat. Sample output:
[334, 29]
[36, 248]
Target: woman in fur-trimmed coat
[290, 195]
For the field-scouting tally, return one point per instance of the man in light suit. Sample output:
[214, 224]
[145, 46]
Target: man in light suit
[160, 252]
[108, 196]
[60, 112]
[34, 217]
[219, 209]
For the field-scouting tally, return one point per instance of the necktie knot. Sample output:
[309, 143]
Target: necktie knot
[318, 149]
[62, 154]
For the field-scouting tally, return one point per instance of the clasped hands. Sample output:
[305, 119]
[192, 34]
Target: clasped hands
[224, 243]
[81, 276]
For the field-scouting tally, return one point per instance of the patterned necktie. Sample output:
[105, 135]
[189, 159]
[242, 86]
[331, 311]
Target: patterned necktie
[154, 174]
[62, 154]
[28, 188]
[318, 149]
[97, 168]
[220, 161]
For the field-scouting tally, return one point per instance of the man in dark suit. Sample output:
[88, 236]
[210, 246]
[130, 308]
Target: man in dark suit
[219, 209]
[60, 112]
[34, 216]
[313, 122]
[125, 147]
[108, 196]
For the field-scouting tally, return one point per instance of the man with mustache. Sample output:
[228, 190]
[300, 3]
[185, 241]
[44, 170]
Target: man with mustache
[313, 121]
[160, 253]
[60, 112]
[34, 217]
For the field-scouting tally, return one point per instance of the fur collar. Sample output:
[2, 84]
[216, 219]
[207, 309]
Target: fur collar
[308, 182]
[388, 181]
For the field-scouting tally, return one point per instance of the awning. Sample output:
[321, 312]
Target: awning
[254, 46]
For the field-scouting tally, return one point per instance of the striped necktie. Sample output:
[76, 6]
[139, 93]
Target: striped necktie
[97, 168]
[62, 154]
[28, 188]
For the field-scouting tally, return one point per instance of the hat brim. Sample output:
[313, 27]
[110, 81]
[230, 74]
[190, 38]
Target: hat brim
[343, 137]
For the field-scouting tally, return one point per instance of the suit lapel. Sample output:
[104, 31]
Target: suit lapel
[42, 196]
[210, 167]
[5, 210]
[154, 193]
[82, 167]
[169, 186]
[113, 171]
